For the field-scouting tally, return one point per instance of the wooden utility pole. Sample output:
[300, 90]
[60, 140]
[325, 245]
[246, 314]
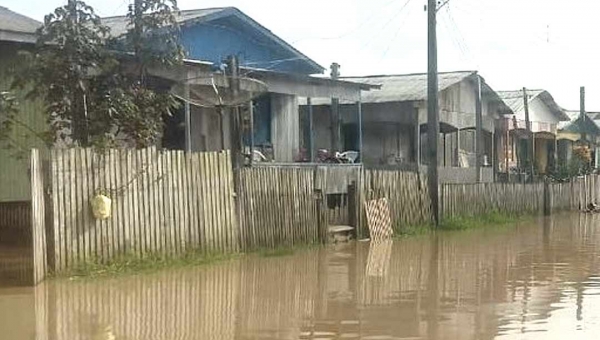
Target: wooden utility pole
[582, 110]
[530, 142]
[478, 130]
[234, 118]
[433, 125]
[336, 130]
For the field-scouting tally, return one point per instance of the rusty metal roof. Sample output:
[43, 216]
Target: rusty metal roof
[514, 99]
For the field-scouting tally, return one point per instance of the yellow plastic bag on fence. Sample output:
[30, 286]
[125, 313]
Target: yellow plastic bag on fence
[101, 207]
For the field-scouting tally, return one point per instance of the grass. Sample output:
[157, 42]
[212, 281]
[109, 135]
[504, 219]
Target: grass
[132, 264]
[461, 223]
[493, 218]
[413, 230]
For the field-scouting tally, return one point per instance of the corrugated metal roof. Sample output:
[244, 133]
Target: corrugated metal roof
[413, 87]
[118, 24]
[514, 99]
[406, 87]
[591, 124]
[15, 22]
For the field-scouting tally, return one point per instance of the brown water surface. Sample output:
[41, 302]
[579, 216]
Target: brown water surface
[532, 281]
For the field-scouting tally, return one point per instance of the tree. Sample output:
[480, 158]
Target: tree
[91, 94]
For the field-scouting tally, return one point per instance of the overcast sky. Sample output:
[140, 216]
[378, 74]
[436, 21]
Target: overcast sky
[547, 44]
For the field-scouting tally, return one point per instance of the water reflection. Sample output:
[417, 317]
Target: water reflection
[535, 281]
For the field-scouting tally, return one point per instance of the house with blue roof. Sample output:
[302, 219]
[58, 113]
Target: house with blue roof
[275, 74]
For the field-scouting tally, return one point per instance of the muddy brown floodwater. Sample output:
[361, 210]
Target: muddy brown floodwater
[538, 280]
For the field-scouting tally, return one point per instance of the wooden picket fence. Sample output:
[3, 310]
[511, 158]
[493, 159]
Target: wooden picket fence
[163, 202]
[278, 207]
[481, 198]
[407, 195]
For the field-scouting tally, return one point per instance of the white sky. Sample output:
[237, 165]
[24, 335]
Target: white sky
[549, 44]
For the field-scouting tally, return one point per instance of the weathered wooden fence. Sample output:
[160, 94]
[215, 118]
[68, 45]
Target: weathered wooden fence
[481, 198]
[163, 202]
[279, 207]
[407, 194]
[474, 199]
[38, 219]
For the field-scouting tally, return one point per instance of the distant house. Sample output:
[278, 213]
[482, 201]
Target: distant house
[578, 130]
[209, 37]
[17, 32]
[545, 116]
[394, 125]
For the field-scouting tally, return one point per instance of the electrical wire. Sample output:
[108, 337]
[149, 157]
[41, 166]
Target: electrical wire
[386, 24]
[353, 30]
[395, 35]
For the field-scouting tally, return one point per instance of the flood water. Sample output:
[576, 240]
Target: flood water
[539, 280]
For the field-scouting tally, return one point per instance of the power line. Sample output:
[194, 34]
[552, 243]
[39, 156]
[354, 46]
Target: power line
[353, 30]
[385, 25]
[395, 35]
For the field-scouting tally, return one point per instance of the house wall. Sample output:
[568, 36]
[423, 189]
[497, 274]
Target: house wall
[14, 177]
[206, 129]
[388, 128]
[565, 150]
[216, 40]
[285, 127]
[541, 154]
[538, 112]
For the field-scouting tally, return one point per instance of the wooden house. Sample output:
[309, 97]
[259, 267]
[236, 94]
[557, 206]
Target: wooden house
[17, 32]
[394, 123]
[544, 116]
[274, 75]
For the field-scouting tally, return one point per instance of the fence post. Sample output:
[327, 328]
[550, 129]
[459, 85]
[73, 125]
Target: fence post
[547, 198]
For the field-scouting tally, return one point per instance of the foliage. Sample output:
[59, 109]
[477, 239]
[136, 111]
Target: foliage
[91, 94]
[133, 264]
[8, 112]
[579, 165]
[413, 230]
[493, 218]
[152, 34]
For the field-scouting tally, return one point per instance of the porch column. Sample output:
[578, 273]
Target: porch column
[360, 127]
[417, 139]
[445, 147]
[458, 147]
[188, 119]
[555, 152]
[285, 127]
[251, 113]
[311, 133]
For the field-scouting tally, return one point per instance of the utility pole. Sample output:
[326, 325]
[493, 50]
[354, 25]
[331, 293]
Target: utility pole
[234, 121]
[530, 145]
[478, 130]
[137, 13]
[582, 110]
[335, 113]
[433, 125]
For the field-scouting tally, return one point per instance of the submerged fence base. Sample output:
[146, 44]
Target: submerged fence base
[171, 203]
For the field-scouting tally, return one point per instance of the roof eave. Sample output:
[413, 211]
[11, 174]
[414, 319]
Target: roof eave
[20, 37]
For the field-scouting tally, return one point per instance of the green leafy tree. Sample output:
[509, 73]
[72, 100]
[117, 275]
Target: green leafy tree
[96, 87]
